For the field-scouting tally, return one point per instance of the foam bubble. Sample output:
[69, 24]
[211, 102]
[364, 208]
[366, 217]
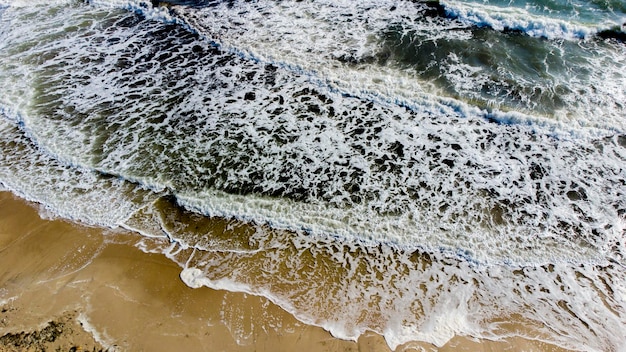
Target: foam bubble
[193, 277]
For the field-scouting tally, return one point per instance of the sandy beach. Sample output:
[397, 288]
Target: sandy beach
[67, 287]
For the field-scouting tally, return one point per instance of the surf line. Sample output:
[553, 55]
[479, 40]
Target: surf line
[431, 104]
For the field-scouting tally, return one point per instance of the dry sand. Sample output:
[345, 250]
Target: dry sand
[68, 287]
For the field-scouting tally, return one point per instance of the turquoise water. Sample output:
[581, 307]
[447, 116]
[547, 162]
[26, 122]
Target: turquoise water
[486, 138]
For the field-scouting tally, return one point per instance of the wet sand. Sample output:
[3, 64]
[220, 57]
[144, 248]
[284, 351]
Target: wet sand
[69, 287]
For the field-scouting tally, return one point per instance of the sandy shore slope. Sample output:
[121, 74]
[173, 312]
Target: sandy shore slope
[68, 287]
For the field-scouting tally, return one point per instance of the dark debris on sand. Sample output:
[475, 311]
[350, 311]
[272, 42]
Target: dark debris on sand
[55, 336]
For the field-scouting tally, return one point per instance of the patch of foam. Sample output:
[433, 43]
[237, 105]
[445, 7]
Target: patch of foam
[145, 8]
[241, 138]
[514, 18]
[194, 278]
[5, 301]
[358, 63]
[398, 295]
[449, 318]
[65, 191]
[101, 337]
[621, 290]
[32, 3]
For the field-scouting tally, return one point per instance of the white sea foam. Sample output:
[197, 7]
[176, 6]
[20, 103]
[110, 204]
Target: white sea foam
[64, 191]
[514, 18]
[100, 337]
[32, 3]
[521, 215]
[361, 224]
[413, 300]
[436, 172]
[439, 329]
[264, 31]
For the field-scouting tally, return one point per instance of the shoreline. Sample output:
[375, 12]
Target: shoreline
[96, 290]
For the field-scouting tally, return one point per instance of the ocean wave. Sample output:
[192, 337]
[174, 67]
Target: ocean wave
[323, 184]
[433, 64]
[520, 19]
[32, 3]
[539, 94]
[239, 137]
[617, 33]
[70, 192]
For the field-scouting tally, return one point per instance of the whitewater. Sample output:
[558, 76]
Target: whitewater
[417, 169]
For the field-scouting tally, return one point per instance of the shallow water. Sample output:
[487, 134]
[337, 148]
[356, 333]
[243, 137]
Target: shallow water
[397, 167]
